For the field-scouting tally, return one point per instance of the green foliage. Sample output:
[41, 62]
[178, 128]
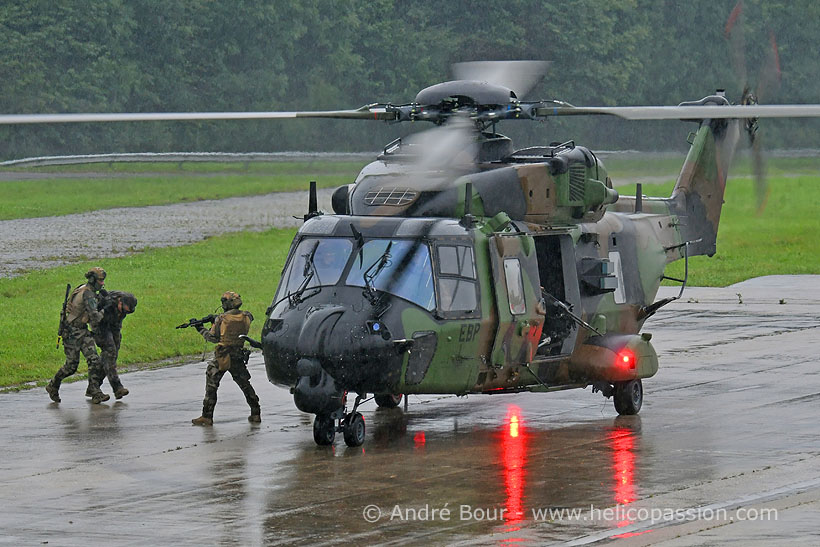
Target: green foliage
[111, 55]
[171, 285]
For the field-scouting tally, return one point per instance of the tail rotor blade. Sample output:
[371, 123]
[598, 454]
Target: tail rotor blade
[759, 170]
[768, 82]
[737, 43]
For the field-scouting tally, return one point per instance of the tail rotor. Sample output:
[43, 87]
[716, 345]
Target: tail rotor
[768, 82]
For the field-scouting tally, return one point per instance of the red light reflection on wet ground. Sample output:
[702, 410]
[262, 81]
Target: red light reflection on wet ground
[622, 442]
[513, 440]
[419, 440]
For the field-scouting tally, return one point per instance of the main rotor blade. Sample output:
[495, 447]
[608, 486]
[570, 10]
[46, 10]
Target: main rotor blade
[685, 112]
[368, 112]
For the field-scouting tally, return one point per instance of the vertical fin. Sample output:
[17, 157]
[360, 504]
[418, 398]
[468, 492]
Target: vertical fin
[698, 195]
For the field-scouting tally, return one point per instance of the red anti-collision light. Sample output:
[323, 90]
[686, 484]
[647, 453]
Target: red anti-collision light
[625, 359]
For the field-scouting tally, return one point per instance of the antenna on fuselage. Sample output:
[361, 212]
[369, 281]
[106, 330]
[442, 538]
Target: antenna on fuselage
[313, 202]
[468, 220]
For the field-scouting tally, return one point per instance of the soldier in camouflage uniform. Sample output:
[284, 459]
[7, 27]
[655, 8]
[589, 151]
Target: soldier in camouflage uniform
[108, 336]
[81, 311]
[229, 356]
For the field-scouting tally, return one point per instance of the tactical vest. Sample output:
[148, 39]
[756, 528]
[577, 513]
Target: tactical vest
[75, 310]
[232, 324]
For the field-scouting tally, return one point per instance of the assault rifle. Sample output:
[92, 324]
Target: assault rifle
[254, 343]
[194, 322]
[61, 327]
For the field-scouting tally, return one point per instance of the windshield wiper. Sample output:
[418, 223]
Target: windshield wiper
[373, 271]
[357, 235]
[308, 274]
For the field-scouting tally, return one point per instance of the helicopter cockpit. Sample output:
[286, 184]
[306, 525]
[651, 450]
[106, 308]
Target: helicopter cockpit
[401, 267]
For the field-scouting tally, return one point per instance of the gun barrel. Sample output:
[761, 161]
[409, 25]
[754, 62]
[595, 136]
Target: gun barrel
[194, 322]
[254, 343]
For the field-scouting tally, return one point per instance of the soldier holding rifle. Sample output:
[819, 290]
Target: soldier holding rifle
[227, 333]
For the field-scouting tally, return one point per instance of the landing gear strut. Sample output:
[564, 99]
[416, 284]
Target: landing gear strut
[350, 424]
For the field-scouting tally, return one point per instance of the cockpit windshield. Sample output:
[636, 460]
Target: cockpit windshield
[406, 272]
[321, 261]
[398, 266]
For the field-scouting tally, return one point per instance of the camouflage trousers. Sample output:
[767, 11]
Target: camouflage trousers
[109, 343]
[75, 342]
[239, 373]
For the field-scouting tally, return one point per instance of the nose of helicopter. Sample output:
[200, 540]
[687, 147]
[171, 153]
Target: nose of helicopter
[358, 351]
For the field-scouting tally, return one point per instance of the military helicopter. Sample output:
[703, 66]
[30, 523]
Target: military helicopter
[457, 264]
[489, 269]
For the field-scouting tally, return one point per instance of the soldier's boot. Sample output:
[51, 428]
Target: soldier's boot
[99, 397]
[53, 391]
[203, 420]
[121, 392]
[92, 388]
[255, 417]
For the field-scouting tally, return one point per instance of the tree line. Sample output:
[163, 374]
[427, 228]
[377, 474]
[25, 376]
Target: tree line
[205, 55]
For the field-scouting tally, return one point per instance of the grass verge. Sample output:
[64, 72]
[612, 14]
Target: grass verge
[778, 241]
[171, 284]
[105, 188]
[631, 166]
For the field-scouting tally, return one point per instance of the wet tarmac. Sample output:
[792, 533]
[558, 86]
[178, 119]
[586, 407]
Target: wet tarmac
[46, 242]
[729, 429]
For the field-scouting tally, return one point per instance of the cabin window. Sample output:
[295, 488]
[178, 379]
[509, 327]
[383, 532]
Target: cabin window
[407, 271]
[456, 260]
[456, 294]
[456, 280]
[515, 286]
[323, 260]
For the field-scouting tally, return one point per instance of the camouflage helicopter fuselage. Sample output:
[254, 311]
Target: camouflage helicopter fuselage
[542, 281]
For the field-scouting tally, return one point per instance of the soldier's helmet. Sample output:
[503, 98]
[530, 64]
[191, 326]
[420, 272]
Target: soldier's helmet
[130, 300]
[95, 274]
[231, 300]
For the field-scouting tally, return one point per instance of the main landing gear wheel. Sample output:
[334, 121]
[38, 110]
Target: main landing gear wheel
[354, 429]
[324, 429]
[388, 400]
[628, 397]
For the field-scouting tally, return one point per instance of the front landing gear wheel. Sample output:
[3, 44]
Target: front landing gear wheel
[628, 397]
[354, 429]
[388, 400]
[324, 429]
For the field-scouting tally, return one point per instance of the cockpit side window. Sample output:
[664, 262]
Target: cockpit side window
[456, 279]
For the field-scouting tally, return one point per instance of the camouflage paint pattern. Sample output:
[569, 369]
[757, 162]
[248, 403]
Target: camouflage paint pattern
[109, 341]
[240, 374]
[228, 355]
[81, 310]
[78, 341]
[609, 262]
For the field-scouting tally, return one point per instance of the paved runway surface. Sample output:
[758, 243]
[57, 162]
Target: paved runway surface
[729, 429]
